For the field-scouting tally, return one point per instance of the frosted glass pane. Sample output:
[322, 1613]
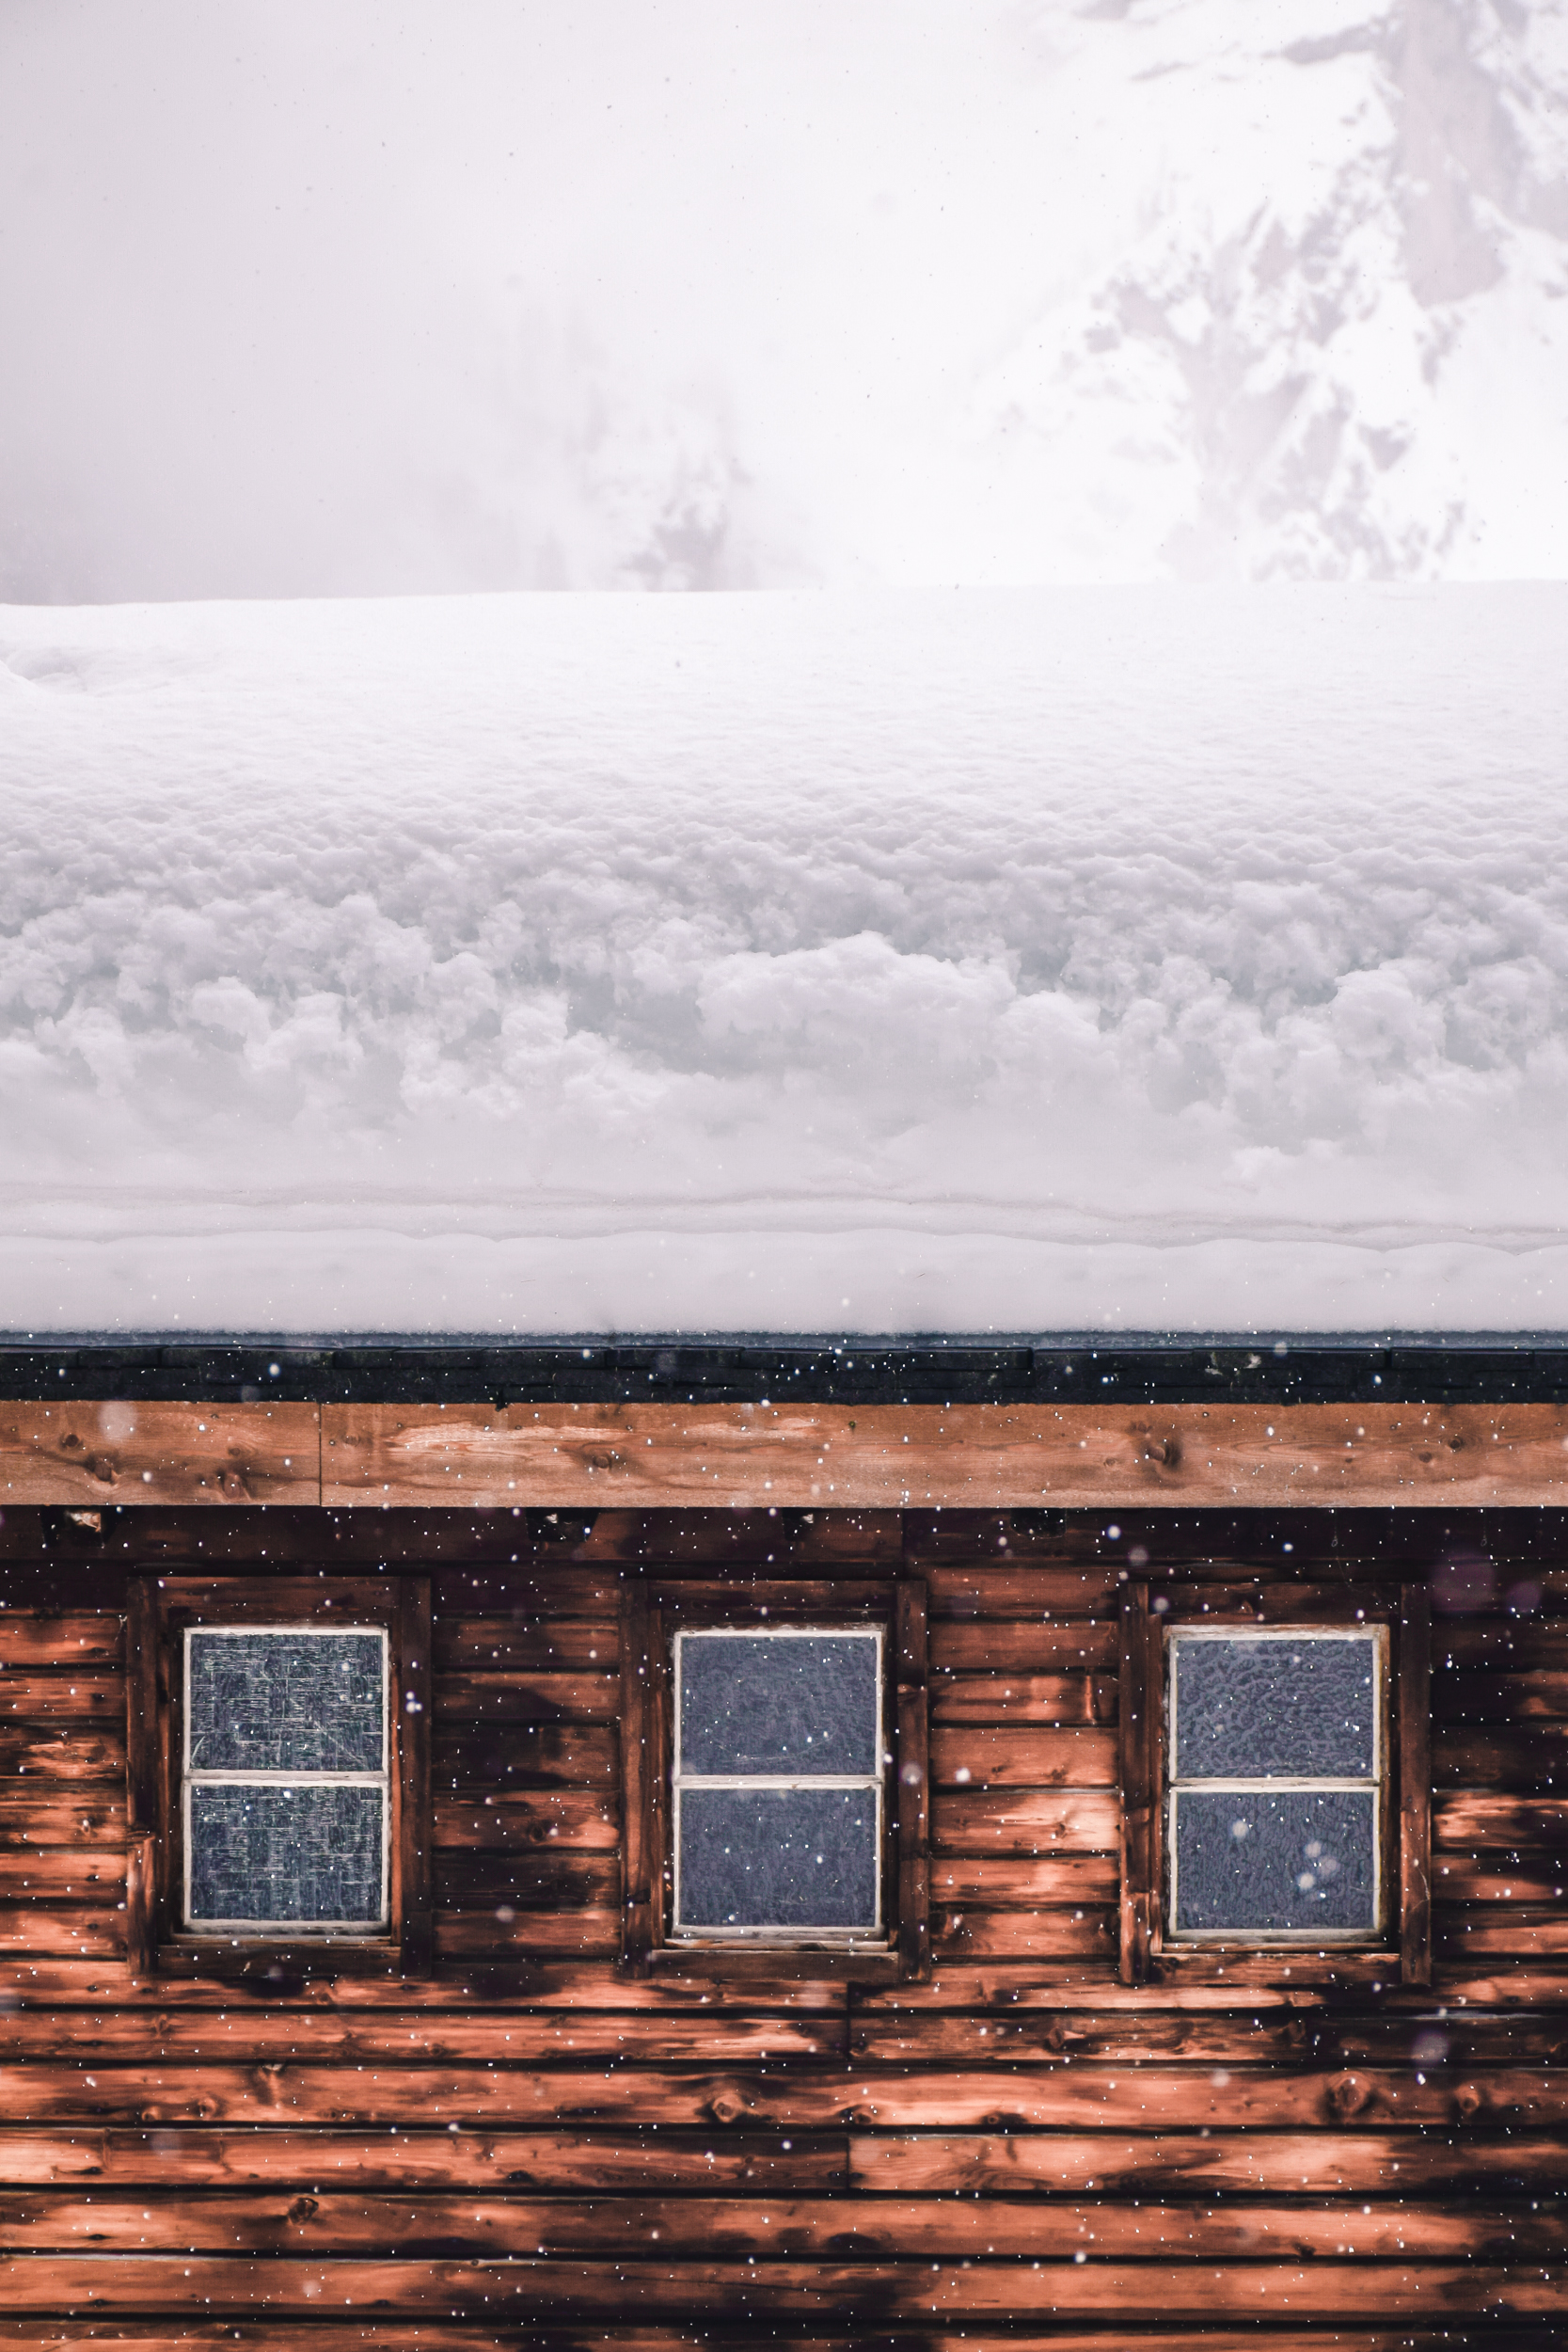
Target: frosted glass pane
[1284, 1858]
[779, 1704]
[778, 1858]
[275, 1852]
[1247, 1709]
[285, 1702]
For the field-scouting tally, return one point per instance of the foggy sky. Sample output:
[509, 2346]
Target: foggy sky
[382, 298]
[392, 296]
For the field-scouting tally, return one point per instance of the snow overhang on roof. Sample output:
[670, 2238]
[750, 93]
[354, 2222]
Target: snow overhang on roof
[1105, 961]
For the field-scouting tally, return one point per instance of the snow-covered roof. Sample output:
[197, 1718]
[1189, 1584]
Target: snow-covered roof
[1015, 962]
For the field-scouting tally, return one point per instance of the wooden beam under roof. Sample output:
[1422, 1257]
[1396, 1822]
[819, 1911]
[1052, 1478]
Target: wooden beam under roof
[111, 1452]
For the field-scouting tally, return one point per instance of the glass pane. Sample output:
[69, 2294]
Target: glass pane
[779, 1703]
[1245, 1709]
[285, 1702]
[275, 1852]
[778, 1858]
[1286, 1858]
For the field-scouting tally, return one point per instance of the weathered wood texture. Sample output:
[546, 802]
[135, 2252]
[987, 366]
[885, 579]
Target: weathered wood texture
[89, 1455]
[972, 1455]
[1281, 2149]
[785, 1456]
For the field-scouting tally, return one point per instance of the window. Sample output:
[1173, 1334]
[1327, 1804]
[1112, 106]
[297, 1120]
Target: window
[1274, 1786]
[286, 1796]
[279, 1774]
[775, 1771]
[1275, 1782]
[778, 1783]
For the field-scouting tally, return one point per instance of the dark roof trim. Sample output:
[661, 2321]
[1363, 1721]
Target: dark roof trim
[1153, 1367]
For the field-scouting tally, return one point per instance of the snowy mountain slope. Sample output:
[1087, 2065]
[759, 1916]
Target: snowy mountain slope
[1336, 344]
[1046, 959]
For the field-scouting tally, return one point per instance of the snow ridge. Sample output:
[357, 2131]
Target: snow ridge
[1062, 959]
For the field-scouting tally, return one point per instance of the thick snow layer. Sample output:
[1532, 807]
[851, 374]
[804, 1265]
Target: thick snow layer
[918, 961]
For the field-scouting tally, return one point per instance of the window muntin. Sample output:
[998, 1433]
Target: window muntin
[1277, 1783]
[285, 1780]
[777, 1784]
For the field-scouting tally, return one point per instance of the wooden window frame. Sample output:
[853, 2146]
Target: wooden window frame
[1149, 1614]
[160, 1610]
[651, 1613]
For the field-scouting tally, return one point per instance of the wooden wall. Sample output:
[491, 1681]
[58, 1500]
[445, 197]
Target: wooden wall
[528, 2149]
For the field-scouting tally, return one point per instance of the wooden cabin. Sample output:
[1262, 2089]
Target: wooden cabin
[673, 1848]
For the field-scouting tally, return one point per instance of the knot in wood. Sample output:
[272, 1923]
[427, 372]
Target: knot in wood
[1163, 1453]
[1468, 2099]
[728, 2103]
[1348, 2095]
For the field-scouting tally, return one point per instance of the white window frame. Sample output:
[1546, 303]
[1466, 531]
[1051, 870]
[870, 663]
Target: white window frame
[1263, 1785]
[862, 1939]
[338, 1930]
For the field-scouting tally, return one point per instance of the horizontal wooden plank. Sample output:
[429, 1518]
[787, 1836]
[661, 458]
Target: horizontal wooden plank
[477, 2038]
[1525, 1874]
[998, 1881]
[178, 2333]
[1457, 2039]
[558, 1583]
[534, 1879]
[529, 1698]
[95, 1454]
[745, 2163]
[44, 1753]
[958, 2039]
[1022, 1646]
[1008, 1698]
[1530, 1931]
[88, 1872]
[889, 1457]
[736, 2291]
[75, 1638]
[70, 1931]
[1541, 1693]
[585, 1755]
[504, 1646]
[1025, 1822]
[578, 1819]
[496, 1934]
[961, 1757]
[1031, 2098]
[34, 1815]
[1483, 1817]
[1162, 2165]
[39, 1696]
[710, 1541]
[1515, 1644]
[1262, 1599]
[540, 1982]
[1500, 1757]
[978, 1592]
[477, 2228]
[1021, 1934]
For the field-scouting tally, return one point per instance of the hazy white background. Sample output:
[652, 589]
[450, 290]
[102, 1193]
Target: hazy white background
[375, 298]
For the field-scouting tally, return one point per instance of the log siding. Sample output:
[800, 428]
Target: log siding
[534, 2145]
